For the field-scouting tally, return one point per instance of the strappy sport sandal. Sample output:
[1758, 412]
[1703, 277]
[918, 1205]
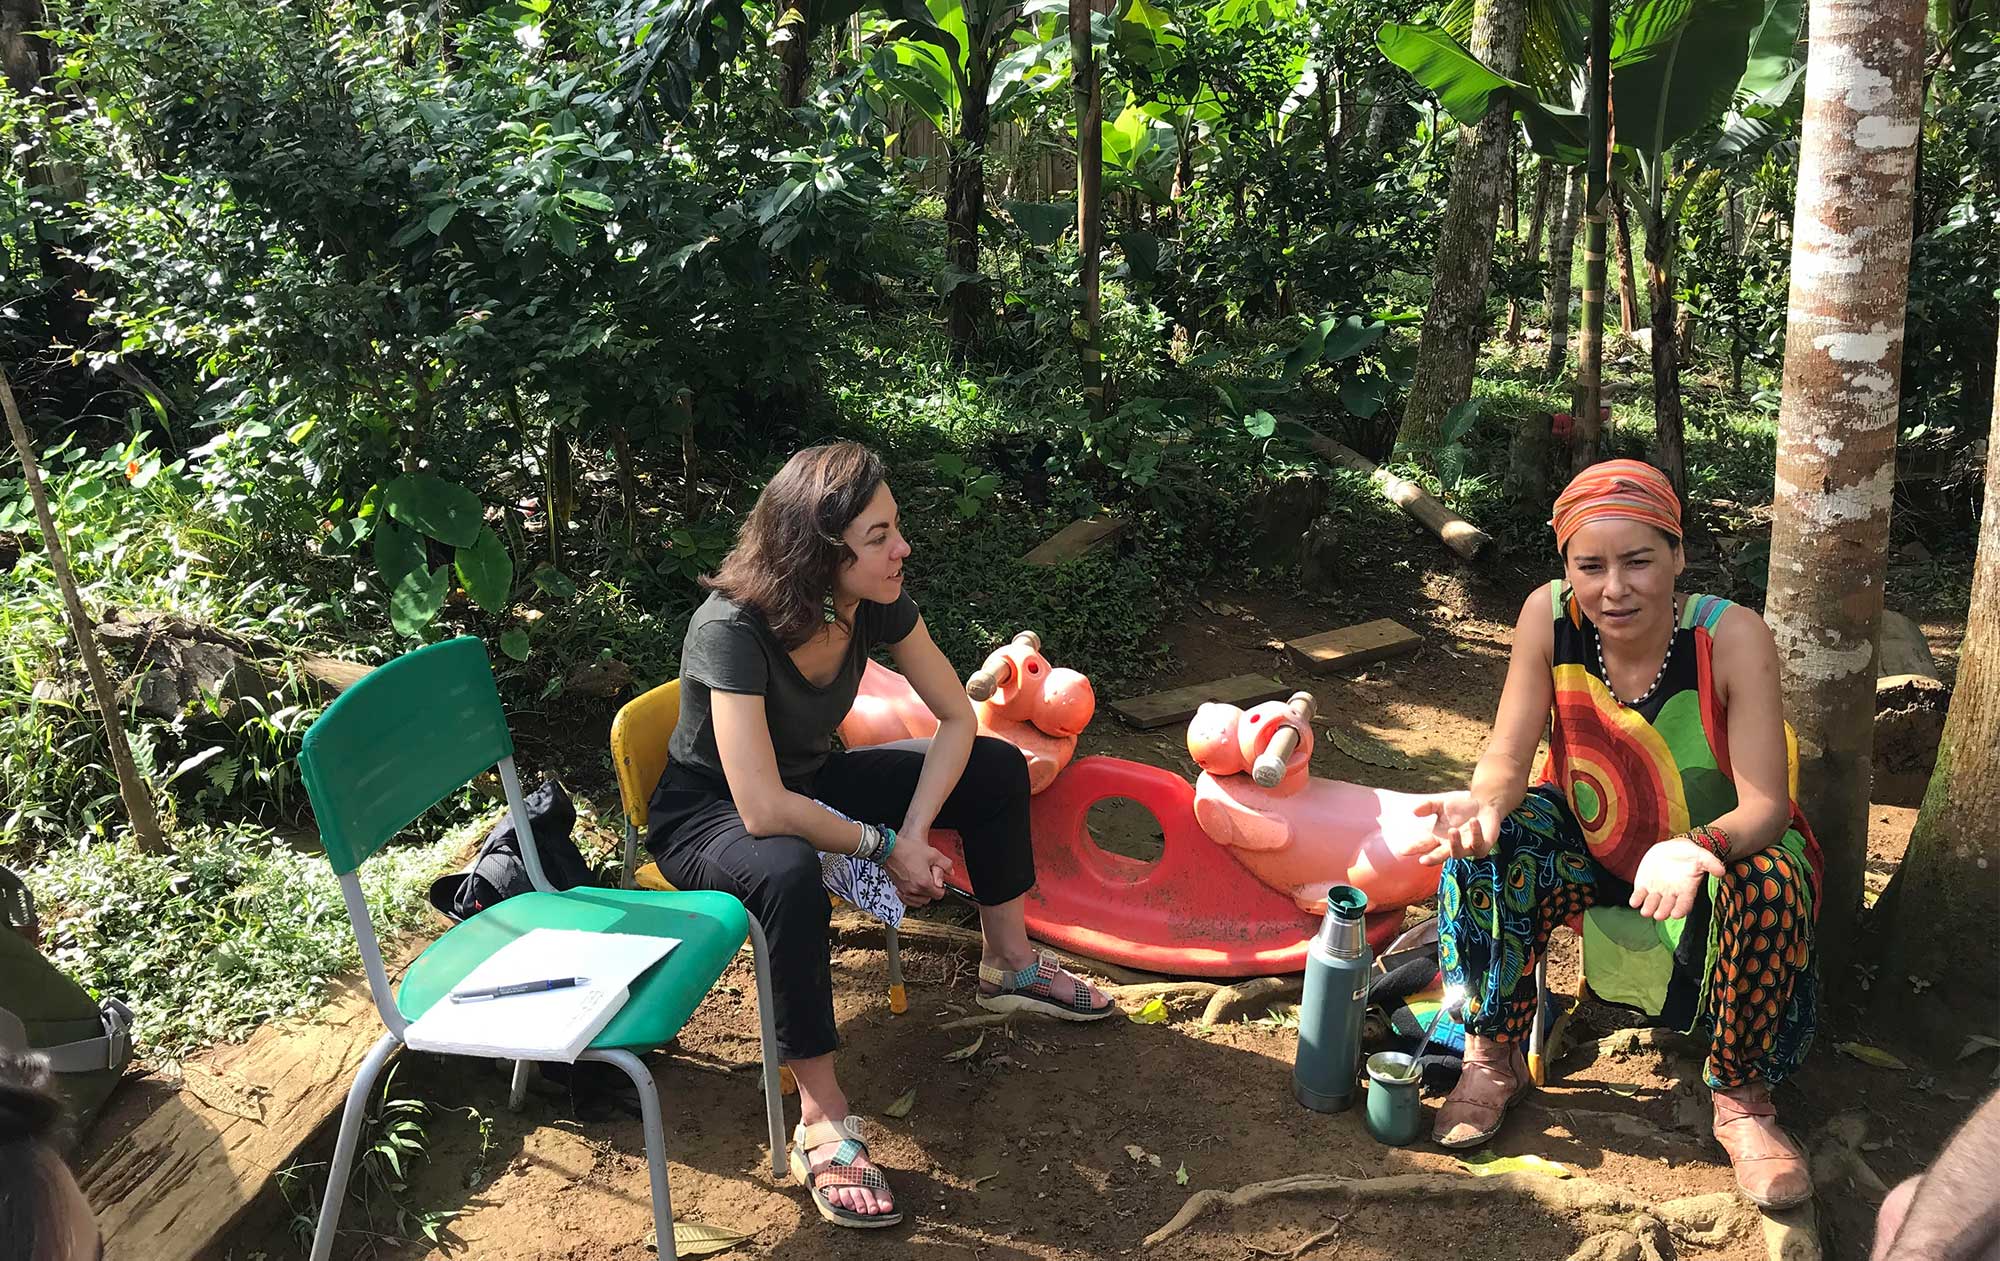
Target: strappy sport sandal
[838, 1171]
[1491, 1064]
[1041, 987]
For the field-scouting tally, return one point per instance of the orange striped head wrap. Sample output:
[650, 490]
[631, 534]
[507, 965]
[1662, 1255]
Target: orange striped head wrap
[1629, 490]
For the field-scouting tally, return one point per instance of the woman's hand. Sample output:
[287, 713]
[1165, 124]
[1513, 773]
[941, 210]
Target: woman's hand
[1670, 877]
[1462, 826]
[917, 870]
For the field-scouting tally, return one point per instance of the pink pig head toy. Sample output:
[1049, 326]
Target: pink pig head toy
[1019, 698]
[1296, 833]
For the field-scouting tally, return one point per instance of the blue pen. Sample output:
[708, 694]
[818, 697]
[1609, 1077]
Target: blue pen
[522, 987]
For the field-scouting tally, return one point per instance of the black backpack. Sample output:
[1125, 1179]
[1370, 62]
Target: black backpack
[499, 872]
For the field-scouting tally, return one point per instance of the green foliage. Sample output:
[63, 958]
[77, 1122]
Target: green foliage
[236, 928]
[395, 1140]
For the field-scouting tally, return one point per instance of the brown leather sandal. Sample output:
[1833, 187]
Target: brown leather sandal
[839, 1170]
[1490, 1067]
[1770, 1169]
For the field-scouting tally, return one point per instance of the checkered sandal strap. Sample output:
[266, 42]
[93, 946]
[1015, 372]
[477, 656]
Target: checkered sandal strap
[838, 1170]
[1043, 979]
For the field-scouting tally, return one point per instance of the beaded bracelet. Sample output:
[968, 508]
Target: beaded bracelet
[1711, 838]
[877, 843]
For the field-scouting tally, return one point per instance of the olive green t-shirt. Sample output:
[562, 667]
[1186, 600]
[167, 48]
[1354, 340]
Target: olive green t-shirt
[730, 648]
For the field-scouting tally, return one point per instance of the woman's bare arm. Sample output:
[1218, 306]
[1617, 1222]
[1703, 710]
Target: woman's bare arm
[1746, 680]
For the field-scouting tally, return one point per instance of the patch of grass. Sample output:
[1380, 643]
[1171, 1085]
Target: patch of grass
[235, 928]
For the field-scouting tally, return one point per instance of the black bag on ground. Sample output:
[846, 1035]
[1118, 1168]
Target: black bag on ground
[44, 1010]
[499, 872]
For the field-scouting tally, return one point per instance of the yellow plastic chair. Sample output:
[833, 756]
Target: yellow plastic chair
[639, 735]
[1610, 929]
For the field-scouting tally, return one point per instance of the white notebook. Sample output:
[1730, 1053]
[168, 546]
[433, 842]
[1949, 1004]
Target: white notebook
[549, 1024]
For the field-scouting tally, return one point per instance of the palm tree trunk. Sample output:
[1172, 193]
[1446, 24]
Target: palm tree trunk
[132, 789]
[1587, 418]
[1837, 424]
[1455, 321]
[1562, 262]
[1538, 216]
[1939, 914]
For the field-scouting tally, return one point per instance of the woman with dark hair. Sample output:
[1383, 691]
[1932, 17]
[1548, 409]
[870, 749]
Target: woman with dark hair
[43, 1215]
[754, 793]
[1665, 789]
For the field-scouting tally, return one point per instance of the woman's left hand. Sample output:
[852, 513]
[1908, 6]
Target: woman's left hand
[918, 871]
[1670, 877]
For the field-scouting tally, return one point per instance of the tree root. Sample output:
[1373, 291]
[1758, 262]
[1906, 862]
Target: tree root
[984, 1020]
[1295, 1252]
[1225, 1002]
[1168, 992]
[1246, 997]
[1702, 1219]
[1836, 1159]
[1642, 1238]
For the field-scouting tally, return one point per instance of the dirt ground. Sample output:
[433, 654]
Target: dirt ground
[1064, 1141]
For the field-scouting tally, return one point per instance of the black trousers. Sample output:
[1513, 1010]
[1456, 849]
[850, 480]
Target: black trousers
[700, 843]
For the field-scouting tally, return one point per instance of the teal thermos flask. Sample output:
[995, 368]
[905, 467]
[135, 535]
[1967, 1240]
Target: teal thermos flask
[1327, 1069]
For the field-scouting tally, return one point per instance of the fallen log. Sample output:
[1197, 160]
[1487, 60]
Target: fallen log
[1460, 535]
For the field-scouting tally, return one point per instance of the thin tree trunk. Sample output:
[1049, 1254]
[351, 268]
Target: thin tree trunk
[794, 59]
[1510, 206]
[1945, 898]
[628, 483]
[1089, 198]
[1455, 321]
[1562, 262]
[132, 789]
[965, 204]
[1669, 425]
[1538, 218]
[1837, 424]
[1586, 414]
[1628, 287]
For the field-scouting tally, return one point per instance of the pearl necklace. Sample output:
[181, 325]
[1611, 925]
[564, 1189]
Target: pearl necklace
[1665, 661]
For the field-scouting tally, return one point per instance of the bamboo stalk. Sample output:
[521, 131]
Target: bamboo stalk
[1460, 535]
[138, 799]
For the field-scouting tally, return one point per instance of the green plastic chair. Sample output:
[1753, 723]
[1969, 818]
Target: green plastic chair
[391, 747]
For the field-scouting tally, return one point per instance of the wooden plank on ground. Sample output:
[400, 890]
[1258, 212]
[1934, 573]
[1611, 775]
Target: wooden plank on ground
[1157, 709]
[173, 1186]
[1076, 539]
[1354, 645]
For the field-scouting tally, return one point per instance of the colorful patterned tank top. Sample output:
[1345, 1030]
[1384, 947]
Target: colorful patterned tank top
[1636, 775]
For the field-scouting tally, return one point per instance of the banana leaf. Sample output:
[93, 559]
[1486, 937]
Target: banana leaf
[1468, 89]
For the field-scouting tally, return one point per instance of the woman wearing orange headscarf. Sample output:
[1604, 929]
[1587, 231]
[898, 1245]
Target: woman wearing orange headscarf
[1666, 790]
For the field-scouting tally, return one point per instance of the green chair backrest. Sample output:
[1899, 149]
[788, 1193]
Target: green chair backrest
[396, 743]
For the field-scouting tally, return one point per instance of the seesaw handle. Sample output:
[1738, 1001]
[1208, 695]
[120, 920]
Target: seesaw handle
[1269, 769]
[998, 670]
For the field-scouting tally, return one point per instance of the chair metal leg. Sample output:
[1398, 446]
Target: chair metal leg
[1537, 1068]
[628, 874]
[517, 1090]
[656, 1142]
[350, 1137]
[899, 998]
[767, 1034]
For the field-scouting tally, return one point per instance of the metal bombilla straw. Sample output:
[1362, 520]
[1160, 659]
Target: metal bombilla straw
[1453, 1000]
